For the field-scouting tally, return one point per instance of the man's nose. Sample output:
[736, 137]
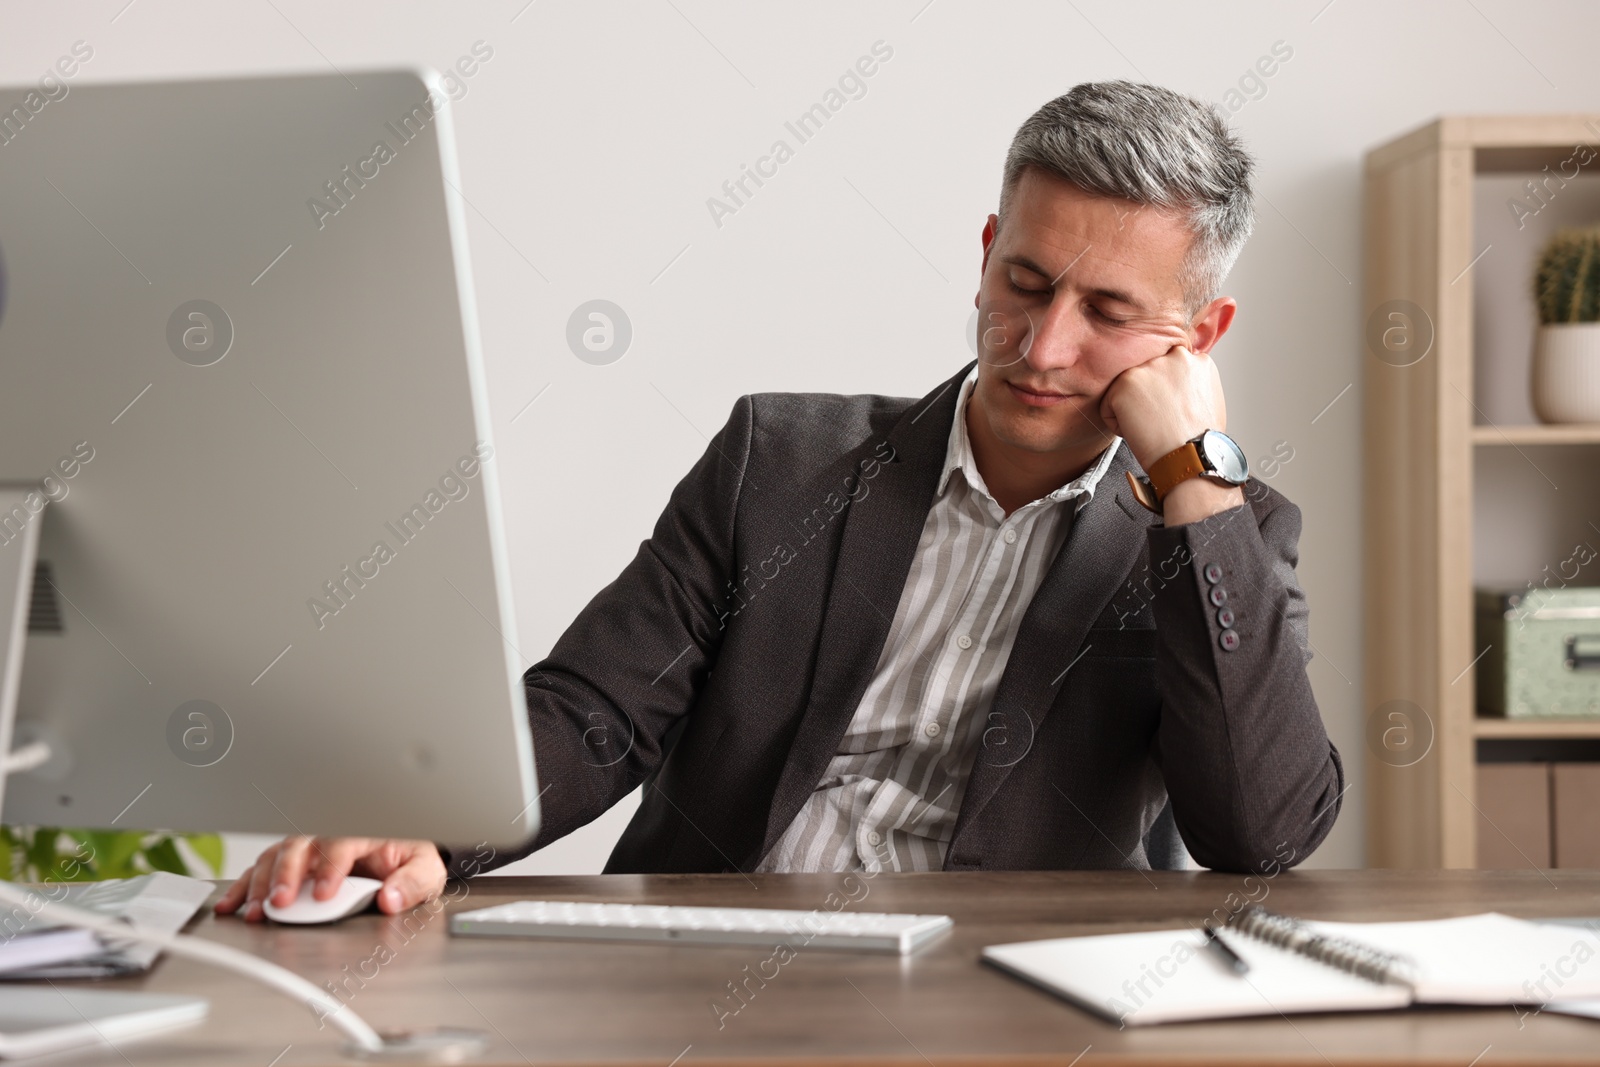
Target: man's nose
[1059, 334]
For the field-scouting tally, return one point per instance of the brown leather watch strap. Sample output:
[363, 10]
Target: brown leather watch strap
[1143, 493]
[1171, 470]
[1174, 468]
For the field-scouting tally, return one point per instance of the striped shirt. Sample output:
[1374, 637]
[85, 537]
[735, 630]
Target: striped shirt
[890, 796]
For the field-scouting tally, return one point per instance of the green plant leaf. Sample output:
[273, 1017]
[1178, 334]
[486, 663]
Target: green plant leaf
[120, 852]
[163, 855]
[111, 853]
[41, 854]
[51, 854]
[84, 855]
[209, 848]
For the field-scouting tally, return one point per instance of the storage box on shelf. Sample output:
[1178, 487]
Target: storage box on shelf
[1541, 653]
[1538, 815]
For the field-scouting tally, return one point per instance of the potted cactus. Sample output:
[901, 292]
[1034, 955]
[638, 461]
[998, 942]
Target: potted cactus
[1566, 351]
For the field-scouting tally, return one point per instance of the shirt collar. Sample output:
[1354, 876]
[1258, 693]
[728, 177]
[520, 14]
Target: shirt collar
[958, 456]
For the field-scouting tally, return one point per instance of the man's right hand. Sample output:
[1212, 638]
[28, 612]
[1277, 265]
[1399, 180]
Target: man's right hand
[412, 872]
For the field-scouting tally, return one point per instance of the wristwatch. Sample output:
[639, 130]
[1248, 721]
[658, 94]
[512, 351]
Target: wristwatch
[1212, 455]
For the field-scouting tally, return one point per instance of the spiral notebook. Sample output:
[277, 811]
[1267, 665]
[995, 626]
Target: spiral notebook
[1303, 966]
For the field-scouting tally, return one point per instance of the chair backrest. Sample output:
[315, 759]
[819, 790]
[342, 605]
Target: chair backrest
[1163, 846]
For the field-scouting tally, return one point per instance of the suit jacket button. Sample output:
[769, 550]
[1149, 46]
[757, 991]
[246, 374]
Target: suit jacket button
[1219, 596]
[1213, 573]
[1225, 617]
[1229, 640]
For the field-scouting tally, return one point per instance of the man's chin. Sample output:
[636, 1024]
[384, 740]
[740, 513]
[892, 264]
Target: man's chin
[1064, 427]
[1032, 436]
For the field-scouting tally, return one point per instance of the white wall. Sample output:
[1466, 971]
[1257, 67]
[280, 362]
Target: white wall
[592, 139]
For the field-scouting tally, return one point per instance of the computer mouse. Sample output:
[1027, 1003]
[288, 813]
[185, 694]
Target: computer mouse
[353, 895]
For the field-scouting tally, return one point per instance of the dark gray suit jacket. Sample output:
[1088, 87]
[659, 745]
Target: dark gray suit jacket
[723, 665]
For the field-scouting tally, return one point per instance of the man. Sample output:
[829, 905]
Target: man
[958, 632]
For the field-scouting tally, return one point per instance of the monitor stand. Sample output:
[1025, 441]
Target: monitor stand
[19, 554]
[19, 551]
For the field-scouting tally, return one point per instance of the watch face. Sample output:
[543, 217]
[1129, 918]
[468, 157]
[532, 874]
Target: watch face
[1223, 458]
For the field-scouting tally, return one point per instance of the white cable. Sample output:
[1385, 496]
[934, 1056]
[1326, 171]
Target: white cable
[26, 758]
[218, 955]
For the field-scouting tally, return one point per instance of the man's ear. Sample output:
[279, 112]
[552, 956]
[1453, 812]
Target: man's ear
[1212, 324]
[989, 227]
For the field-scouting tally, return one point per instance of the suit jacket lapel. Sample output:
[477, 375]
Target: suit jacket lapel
[1101, 549]
[879, 542]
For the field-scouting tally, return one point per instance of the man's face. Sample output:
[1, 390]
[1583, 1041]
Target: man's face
[1076, 289]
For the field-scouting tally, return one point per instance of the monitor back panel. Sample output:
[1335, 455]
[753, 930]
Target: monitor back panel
[238, 351]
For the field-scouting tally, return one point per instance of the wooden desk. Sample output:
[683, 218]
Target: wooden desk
[549, 1002]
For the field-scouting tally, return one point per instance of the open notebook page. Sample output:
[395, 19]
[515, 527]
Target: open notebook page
[1486, 959]
[1169, 976]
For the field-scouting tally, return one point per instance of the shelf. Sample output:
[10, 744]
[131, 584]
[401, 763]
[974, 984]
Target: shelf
[1576, 434]
[1537, 729]
[1429, 473]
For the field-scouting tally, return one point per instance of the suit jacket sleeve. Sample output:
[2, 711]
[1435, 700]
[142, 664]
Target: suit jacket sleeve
[631, 663]
[1251, 774]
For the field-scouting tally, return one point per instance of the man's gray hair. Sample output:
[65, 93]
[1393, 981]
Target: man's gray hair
[1154, 147]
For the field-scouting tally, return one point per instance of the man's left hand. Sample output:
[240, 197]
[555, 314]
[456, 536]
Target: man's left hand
[1157, 406]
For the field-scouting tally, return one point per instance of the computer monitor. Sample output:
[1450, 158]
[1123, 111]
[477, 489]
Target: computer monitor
[240, 377]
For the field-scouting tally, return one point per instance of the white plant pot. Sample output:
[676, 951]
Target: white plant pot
[1566, 372]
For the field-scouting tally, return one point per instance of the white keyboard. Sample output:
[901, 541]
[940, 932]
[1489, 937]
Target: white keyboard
[864, 931]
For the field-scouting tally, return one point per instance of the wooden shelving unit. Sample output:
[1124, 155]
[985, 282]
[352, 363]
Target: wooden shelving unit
[1422, 431]
[1535, 435]
[1548, 730]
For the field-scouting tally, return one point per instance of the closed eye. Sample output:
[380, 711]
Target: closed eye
[1108, 318]
[1020, 291]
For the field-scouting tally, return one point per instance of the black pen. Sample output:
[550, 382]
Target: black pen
[1225, 954]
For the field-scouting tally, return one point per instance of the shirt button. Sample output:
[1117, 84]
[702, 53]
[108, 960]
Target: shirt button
[1011, 537]
[932, 729]
[1219, 596]
[1213, 573]
[1229, 640]
[873, 838]
[963, 641]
